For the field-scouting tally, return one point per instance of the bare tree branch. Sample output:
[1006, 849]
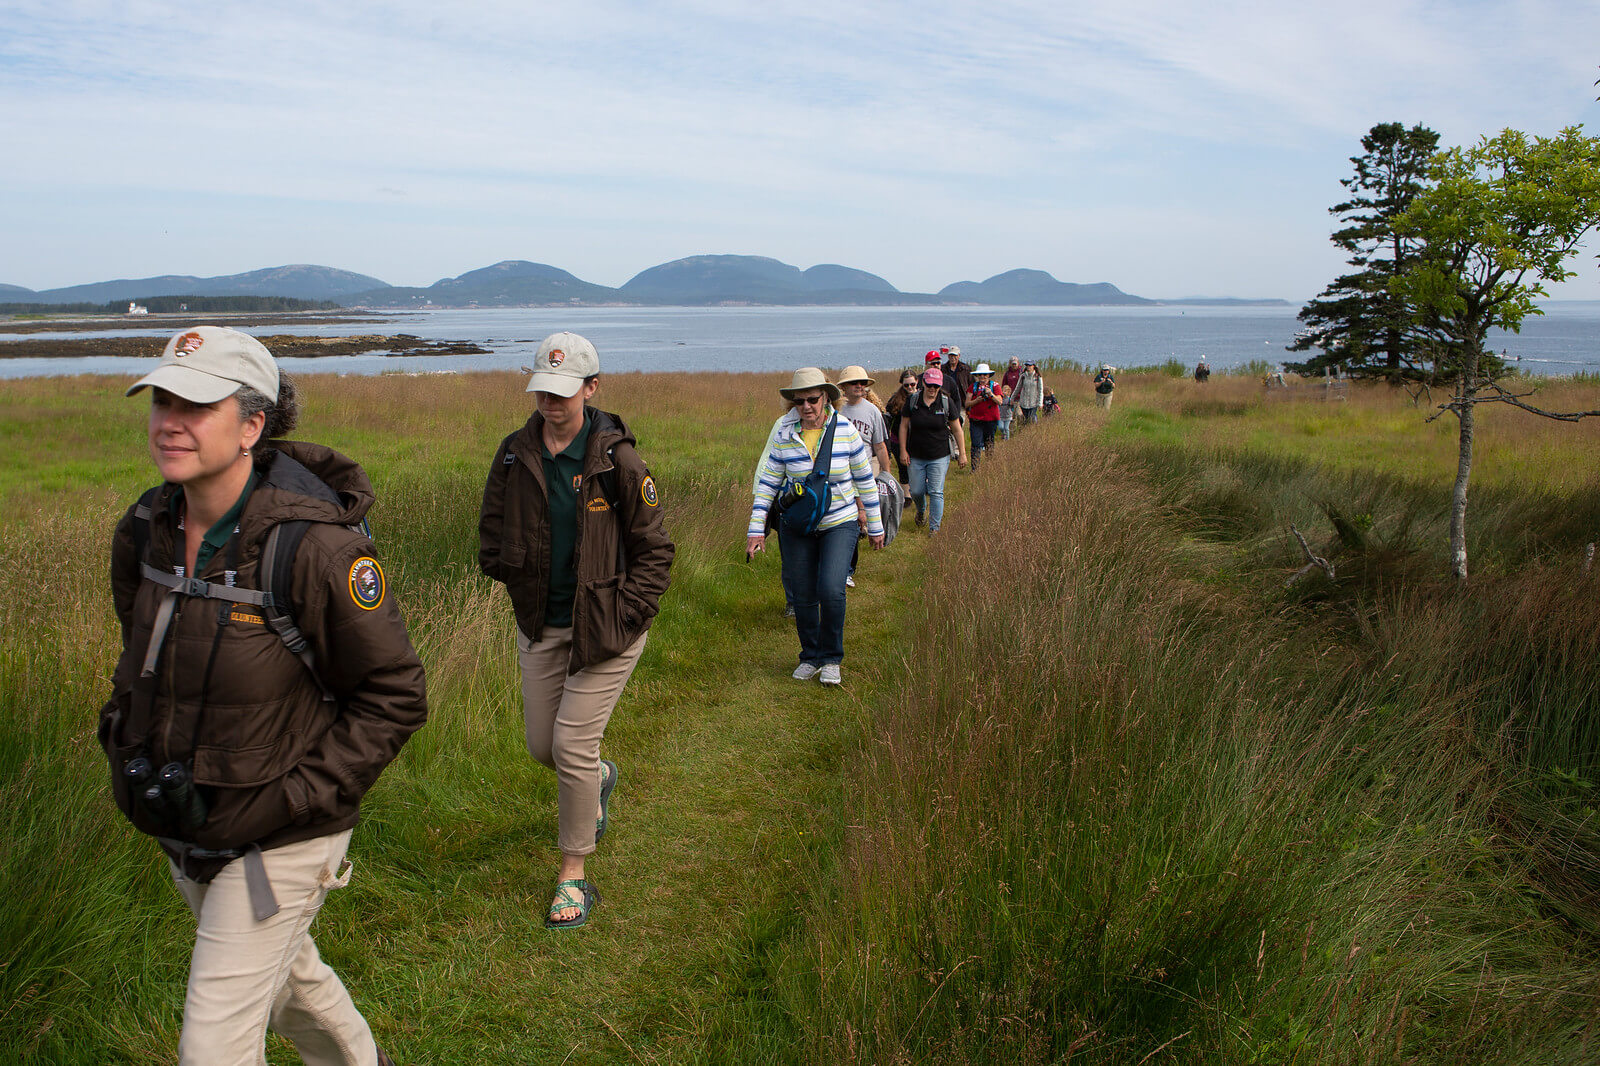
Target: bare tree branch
[1503, 395]
[1515, 400]
[1314, 561]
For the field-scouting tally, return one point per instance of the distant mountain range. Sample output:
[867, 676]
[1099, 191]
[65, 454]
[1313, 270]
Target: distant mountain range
[697, 281]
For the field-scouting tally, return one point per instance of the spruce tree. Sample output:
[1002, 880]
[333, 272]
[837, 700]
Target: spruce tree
[1360, 326]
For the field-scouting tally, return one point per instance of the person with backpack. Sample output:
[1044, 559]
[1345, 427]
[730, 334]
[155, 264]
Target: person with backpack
[1008, 395]
[983, 412]
[815, 471]
[928, 426]
[1029, 396]
[571, 525]
[265, 681]
[893, 410]
[1105, 383]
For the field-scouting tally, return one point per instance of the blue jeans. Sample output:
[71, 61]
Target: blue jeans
[982, 438]
[927, 488]
[814, 569]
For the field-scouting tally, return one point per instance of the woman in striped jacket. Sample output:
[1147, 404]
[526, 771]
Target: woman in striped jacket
[815, 565]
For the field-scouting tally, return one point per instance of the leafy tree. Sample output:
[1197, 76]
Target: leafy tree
[1360, 325]
[1499, 220]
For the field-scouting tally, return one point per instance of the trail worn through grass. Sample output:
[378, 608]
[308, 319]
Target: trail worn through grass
[731, 773]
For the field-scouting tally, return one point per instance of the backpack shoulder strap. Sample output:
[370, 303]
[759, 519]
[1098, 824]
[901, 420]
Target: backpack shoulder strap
[141, 522]
[276, 578]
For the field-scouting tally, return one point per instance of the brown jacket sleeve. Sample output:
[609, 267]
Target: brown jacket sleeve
[492, 514]
[124, 588]
[365, 656]
[645, 541]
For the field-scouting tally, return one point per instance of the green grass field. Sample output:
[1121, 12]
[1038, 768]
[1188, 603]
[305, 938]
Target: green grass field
[1100, 787]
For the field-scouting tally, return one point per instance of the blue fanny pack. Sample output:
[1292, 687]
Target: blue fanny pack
[803, 503]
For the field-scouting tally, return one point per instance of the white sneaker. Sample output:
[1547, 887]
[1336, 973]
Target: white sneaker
[806, 671]
[849, 582]
[831, 675]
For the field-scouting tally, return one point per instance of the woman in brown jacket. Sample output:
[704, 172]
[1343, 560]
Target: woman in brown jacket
[571, 525]
[243, 730]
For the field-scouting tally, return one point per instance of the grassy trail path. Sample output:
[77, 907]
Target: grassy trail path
[731, 771]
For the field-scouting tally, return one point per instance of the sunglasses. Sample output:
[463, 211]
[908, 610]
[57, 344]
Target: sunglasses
[807, 401]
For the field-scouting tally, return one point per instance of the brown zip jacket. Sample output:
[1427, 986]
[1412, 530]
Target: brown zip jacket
[623, 556]
[276, 761]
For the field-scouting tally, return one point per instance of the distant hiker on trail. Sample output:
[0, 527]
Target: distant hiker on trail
[265, 681]
[858, 405]
[571, 525]
[861, 405]
[983, 412]
[957, 378]
[1008, 396]
[1030, 393]
[893, 411]
[815, 471]
[1202, 371]
[927, 427]
[1051, 405]
[1105, 382]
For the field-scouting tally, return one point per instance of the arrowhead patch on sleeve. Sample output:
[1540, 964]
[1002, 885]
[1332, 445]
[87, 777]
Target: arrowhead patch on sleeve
[366, 583]
[647, 489]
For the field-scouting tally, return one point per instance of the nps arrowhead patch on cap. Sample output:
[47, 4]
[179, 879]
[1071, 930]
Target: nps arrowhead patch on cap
[188, 344]
[557, 356]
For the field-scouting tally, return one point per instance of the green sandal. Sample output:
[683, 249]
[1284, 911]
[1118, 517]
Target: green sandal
[575, 893]
[608, 782]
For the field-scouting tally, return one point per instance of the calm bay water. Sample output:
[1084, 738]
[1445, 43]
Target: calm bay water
[1564, 340]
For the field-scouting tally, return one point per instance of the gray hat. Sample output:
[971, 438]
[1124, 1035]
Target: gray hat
[563, 362]
[809, 377]
[209, 363]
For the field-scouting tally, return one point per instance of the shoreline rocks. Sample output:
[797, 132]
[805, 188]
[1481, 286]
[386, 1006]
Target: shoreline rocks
[281, 345]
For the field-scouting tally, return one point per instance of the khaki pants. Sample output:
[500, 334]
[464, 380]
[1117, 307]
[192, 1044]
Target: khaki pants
[564, 716]
[245, 974]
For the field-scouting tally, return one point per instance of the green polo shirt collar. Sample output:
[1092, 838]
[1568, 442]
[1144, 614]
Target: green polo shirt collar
[217, 536]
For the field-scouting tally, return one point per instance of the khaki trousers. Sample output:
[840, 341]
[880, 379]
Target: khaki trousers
[245, 974]
[564, 716]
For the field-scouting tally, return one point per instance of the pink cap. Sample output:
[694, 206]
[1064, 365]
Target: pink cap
[932, 376]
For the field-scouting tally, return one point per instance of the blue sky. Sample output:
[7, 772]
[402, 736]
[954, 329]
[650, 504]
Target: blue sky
[1172, 149]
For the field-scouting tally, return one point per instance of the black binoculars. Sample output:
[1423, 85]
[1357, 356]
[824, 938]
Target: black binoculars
[168, 794]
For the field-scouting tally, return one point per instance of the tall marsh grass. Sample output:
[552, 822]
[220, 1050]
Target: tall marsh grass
[1118, 815]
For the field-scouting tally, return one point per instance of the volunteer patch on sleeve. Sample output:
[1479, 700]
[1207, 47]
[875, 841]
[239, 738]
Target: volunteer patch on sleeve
[366, 583]
[647, 489]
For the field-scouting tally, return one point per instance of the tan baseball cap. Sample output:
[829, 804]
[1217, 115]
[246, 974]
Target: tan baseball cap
[563, 362]
[209, 363]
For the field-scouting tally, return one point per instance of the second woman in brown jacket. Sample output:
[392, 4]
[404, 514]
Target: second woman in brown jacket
[571, 525]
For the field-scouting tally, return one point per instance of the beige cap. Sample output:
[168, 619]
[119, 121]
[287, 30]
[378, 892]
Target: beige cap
[854, 373]
[563, 362]
[209, 363]
[809, 377]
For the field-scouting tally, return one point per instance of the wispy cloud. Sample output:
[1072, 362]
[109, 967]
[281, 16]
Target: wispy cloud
[922, 141]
